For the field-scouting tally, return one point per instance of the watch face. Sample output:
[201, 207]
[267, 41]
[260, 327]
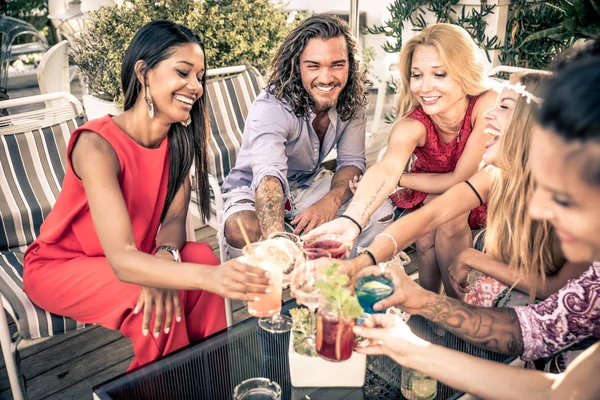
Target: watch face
[173, 250]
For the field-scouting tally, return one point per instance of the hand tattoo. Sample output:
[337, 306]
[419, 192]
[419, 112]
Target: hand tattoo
[495, 329]
[270, 205]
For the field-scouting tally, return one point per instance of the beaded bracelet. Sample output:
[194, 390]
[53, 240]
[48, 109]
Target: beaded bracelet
[360, 204]
[387, 235]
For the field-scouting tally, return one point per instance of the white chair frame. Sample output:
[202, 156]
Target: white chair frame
[10, 347]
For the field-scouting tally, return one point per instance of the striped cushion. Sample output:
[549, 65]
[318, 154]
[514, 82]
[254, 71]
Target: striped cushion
[229, 100]
[32, 321]
[33, 167]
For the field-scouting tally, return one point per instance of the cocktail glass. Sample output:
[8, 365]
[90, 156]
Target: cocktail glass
[257, 389]
[305, 291]
[314, 254]
[272, 256]
[335, 338]
[293, 245]
[332, 244]
[371, 289]
[417, 386]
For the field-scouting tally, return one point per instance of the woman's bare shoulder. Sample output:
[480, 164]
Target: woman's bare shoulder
[92, 149]
[485, 101]
[408, 128]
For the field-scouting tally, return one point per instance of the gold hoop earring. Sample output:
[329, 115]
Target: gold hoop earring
[149, 103]
[188, 121]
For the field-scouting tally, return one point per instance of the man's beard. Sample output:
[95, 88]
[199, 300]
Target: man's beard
[323, 105]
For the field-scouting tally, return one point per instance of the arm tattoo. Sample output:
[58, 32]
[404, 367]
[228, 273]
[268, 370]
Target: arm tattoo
[363, 215]
[270, 205]
[495, 329]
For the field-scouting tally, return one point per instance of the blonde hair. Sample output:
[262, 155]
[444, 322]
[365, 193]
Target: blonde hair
[529, 247]
[459, 57]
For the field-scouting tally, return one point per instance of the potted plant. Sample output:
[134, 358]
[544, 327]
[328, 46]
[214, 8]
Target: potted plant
[233, 31]
[313, 366]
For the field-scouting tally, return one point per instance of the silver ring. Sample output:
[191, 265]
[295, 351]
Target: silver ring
[382, 268]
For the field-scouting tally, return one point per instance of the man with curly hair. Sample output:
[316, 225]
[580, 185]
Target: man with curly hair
[314, 100]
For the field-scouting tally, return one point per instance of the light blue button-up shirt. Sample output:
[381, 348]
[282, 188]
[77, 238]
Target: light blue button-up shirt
[277, 143]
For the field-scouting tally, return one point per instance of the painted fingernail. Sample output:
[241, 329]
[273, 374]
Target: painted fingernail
[145, 332]
[267, 290]
[178, 319]
[156, 334]
[256, 299]
[357, 330]
[271, 282]
[136, 309]
[167, 329]
[267, 274]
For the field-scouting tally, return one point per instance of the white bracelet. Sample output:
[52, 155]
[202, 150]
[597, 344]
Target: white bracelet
[387, 235]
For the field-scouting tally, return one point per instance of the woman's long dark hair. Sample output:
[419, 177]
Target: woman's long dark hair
[285, 80]
[188, 146]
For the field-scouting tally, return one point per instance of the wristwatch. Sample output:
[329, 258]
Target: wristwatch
[173, 250]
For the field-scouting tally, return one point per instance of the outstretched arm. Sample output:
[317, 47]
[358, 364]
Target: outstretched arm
[481, 378]
[378, 182]
[406, 230]
[496, 329]
[95, 162]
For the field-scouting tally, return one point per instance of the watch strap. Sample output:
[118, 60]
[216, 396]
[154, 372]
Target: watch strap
[173, 250]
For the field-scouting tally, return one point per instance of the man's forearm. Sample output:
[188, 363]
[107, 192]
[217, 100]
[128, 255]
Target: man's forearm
[270, 205]
[495, 329]
[340, 189]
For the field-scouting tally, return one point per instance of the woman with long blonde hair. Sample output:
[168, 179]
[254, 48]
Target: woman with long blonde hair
[530, 249]
[538, 253]
[443, 96]
[520, 252]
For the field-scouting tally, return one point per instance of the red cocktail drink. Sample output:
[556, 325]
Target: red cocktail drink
[331, 244]
[335, 338]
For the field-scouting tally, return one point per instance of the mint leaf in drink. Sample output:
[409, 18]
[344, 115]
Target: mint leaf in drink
[351, 308]
[332, 287]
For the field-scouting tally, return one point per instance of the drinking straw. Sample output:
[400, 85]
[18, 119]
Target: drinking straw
[245, 235]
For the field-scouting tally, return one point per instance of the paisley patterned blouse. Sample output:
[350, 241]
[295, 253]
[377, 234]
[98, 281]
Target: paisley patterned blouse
[565, 318]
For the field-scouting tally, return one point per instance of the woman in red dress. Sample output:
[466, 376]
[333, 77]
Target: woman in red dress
[443, 96]
[113, 250]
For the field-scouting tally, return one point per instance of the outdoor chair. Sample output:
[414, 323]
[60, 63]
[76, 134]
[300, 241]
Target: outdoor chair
[33, 158]
[53, 71]
[11, 29]
[230, 92]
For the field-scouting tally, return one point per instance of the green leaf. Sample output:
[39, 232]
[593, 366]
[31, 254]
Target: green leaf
[352, 308]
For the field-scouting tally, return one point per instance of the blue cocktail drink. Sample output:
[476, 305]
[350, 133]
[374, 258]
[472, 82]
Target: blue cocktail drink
[371, 289]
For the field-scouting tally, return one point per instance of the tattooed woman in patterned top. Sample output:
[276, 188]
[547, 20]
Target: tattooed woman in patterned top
[565, 162]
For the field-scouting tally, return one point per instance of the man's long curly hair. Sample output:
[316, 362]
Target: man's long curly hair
[285, 80]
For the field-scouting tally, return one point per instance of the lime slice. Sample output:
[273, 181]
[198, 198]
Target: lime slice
[424, 389]
[375, 285]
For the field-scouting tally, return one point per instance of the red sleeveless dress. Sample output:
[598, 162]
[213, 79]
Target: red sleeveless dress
[66, 272]
[438, 157]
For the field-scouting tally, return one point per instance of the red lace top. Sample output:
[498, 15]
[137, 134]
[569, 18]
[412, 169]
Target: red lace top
[438, 157]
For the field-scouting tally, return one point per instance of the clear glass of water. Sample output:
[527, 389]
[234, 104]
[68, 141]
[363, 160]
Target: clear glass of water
[417, 386]
[257, 389]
